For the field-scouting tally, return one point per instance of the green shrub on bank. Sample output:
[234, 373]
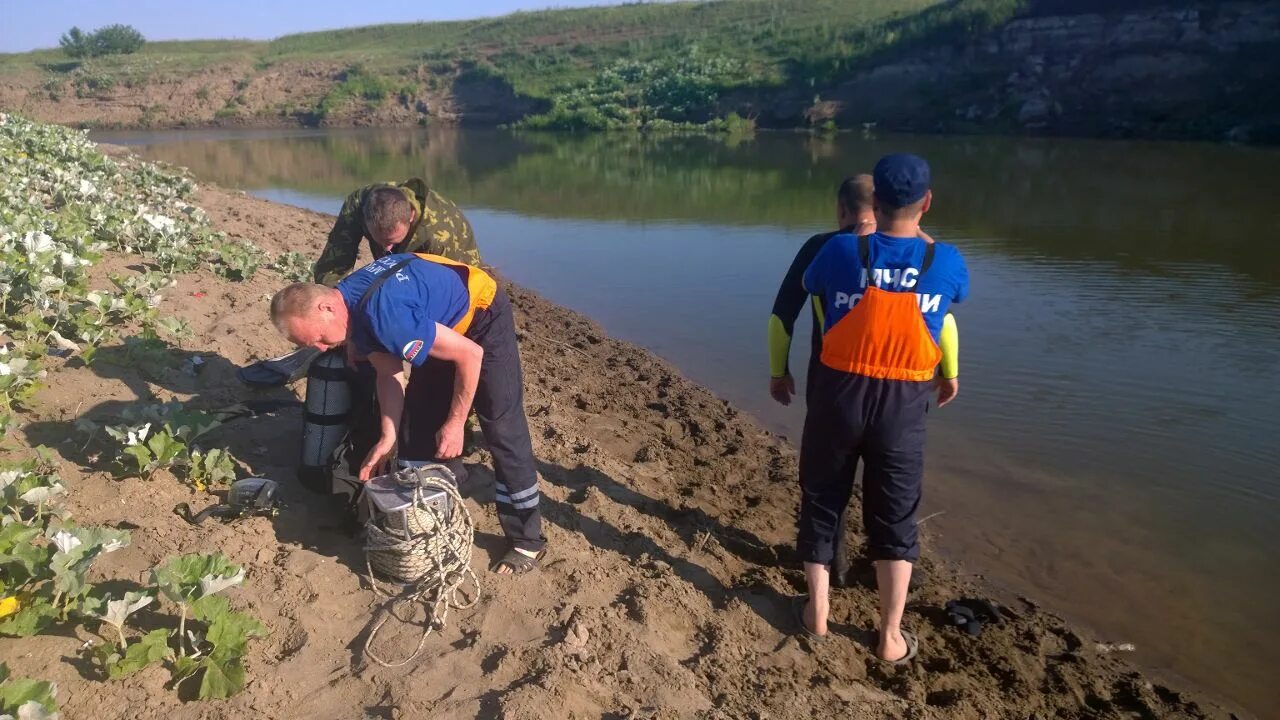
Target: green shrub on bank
[109, 40]
[637, 95]
[733, 124]
[358, 84]
[93, 84]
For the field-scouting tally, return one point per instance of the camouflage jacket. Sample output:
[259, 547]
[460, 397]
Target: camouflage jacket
[440, 229]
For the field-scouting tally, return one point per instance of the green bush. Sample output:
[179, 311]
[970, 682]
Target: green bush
[570, 119]
[683, 91]
[356, 84]
[734, 124]
[75, 43]
[94, 84]
[117, 40]
[55, 88]
[109, 40]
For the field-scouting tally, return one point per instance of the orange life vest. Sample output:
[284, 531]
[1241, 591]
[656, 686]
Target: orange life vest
[884, 335]
[481, 288]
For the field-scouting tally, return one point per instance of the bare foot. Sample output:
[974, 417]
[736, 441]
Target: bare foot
[891, 646]
[814, 621]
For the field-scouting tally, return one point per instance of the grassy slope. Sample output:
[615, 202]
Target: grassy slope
[538, 50]
[172, 55]
[775, 40]
[785, 62]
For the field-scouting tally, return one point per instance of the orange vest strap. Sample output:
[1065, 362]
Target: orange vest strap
[481, 287]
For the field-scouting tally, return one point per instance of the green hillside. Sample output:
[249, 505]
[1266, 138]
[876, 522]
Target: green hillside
[641, 61]
[1098, 68]
[776, 38]
[772, 39]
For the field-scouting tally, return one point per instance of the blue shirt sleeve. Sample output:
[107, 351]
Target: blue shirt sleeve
[401, 327]
[961, 277]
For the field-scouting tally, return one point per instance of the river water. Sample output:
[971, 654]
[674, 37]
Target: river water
[1113, 452]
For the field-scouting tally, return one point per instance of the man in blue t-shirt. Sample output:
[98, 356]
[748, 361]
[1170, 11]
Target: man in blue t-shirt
[837, 275]
[883, 298]
[855, 213]
[453, 322]
[395, 320]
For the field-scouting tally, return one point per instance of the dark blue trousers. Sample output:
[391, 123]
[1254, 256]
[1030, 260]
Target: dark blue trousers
[882, 423]
[499, 404]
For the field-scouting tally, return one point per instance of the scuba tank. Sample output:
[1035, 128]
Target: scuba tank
[329, 392]
[325, 423]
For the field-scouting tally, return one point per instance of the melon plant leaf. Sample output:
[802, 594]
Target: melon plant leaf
[77, 549]
[35, 615]
[23, 487]
[32, 710]
[65, 541]
[184, 667]
[153, 647]
[166, 448]
[230, 634]
[215, 467]
[25, 563]
[15, 534]
[107, 539]
[209, 608]
[16, 693]
[183, 578]
[90, 604]
[215, 583]
[118, 610]
[20, 560]
[44, 494]
[222, 678]
[141, 458]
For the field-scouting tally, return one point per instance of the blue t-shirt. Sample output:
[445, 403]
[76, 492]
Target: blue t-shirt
[837, 276]
[400, 319]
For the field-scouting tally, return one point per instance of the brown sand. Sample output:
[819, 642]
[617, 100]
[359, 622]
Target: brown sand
[667, 589]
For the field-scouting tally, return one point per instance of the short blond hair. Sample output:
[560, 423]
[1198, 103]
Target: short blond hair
[296, 300]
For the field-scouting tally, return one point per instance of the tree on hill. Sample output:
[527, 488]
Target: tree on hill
[109, 40]
[74, 43]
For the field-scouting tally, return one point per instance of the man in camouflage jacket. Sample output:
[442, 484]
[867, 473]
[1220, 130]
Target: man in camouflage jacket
[404, 218]
[423, 222]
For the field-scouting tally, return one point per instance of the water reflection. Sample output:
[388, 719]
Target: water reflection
[1154, 207]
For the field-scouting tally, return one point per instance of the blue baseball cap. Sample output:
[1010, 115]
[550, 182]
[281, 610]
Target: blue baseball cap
[901, 179]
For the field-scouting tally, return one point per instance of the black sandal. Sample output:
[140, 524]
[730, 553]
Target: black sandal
[518, 562]
[798, 605]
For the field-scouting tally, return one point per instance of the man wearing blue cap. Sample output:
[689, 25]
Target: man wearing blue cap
[883, 297]
[855, 213]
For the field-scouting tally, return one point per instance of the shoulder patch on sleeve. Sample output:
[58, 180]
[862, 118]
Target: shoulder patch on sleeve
[411, 350]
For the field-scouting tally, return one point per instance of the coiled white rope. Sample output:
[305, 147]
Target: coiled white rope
[426, 548]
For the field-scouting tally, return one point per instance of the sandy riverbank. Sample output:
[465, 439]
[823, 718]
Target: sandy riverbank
[670, 520]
